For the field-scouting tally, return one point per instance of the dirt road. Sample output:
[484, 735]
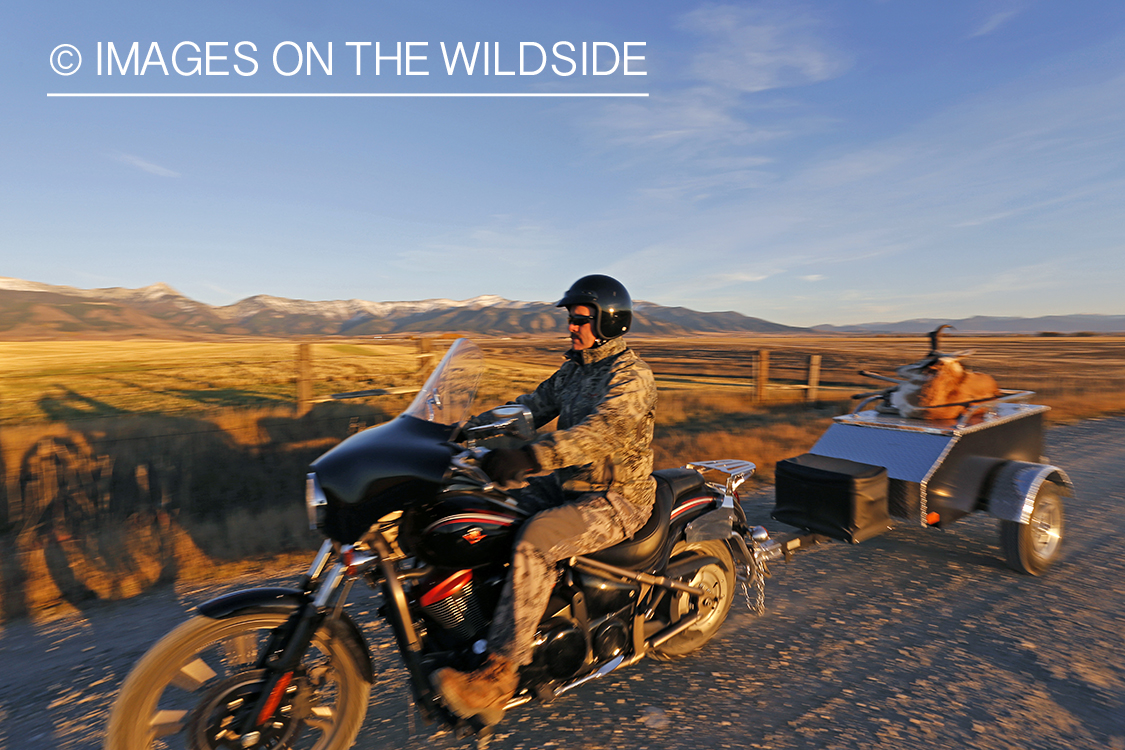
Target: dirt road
[919, 639]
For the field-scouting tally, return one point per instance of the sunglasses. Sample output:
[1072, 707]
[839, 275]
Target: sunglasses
[579, 320]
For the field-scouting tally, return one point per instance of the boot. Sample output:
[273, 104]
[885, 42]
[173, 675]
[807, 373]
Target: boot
[483, 692]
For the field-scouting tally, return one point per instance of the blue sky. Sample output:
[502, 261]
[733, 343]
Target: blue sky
[805, 162]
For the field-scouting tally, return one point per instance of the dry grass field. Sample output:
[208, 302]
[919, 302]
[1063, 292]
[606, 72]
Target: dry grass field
[64, 381]
[127, 463]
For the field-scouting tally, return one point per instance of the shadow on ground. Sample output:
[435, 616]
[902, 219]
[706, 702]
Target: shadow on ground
[100, 508]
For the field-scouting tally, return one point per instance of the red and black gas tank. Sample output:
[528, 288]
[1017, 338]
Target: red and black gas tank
[461, 530]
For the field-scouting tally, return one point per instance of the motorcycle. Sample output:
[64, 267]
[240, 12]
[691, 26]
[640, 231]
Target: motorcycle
[406, 507]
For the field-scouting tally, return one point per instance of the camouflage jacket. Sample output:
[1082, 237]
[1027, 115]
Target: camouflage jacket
[605, 400]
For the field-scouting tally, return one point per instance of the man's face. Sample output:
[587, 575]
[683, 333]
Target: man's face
[581, 333]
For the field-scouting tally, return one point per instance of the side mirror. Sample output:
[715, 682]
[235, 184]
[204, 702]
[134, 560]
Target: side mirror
[511, 420]
[515, 420]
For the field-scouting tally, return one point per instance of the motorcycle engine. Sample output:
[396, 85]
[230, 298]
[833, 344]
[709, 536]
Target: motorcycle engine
[611, 639]
[449, 599]
[560, 648]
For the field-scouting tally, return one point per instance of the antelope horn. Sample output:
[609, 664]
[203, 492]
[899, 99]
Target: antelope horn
[884, 378]
[935, 335]
[871, 394]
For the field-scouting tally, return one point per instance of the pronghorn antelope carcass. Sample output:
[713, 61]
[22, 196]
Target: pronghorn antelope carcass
[937, 386]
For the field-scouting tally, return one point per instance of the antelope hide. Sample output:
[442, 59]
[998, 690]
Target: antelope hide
[937, 386]
[940, 382]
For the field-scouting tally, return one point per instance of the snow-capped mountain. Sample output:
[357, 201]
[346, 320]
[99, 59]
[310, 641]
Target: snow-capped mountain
[31, 309]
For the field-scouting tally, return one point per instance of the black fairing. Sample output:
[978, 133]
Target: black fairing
[380, 470]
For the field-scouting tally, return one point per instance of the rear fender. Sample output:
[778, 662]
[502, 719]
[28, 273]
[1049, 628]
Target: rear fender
[721, 525]
[289, 601]
[717, 524]
[689, 566]
[1012, 494]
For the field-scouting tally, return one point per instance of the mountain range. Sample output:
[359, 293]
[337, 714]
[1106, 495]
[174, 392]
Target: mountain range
[33, 310]
[984, 324]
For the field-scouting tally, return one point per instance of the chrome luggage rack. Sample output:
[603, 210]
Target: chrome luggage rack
[736, 471]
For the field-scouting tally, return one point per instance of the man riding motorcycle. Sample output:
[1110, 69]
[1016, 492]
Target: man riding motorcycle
[593, 487]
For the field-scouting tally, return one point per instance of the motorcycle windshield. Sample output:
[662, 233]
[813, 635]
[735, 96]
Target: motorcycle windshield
[400, 462]
[447, 396]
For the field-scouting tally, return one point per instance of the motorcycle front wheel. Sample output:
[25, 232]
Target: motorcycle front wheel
[190, 691]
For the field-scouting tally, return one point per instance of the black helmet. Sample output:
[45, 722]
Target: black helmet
[612, 305]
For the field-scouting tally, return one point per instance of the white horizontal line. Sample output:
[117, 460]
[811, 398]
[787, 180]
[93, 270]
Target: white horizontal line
[388, 95]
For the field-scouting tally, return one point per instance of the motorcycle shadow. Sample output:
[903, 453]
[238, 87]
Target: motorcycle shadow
[102, 509]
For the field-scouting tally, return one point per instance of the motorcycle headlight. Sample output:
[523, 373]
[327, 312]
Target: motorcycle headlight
[315, 502]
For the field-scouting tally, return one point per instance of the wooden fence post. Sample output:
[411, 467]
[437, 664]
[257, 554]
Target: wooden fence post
[811, 392]
[762, 376]
[304, 380]
[425, 357]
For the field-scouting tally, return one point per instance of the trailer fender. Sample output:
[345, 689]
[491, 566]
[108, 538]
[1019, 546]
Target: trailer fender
[1013, 490]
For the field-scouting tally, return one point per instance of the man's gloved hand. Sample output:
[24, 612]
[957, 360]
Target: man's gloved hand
[506, 465]
[461, 434]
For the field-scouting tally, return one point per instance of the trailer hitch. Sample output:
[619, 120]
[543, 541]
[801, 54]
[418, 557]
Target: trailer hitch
[756, 557]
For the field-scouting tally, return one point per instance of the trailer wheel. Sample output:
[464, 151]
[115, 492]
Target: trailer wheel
[1034, 546]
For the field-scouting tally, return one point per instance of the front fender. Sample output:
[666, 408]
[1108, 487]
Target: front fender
[271, 598]
[275, 599]
[1012, 495]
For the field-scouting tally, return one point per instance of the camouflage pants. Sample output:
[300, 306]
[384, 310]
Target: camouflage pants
[586, 524]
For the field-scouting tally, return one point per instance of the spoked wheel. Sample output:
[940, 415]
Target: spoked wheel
[192, 690]
[1034, 546]
[717, 579]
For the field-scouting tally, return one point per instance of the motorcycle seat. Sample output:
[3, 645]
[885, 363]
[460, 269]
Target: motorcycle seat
[644, 549]
[680, 481]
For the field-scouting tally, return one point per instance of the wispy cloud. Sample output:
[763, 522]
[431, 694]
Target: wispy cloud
[501, 245]
[1030, 279]
[221, 293]
[145, 166]
[996, 20]
[756, 49]
[713, 129]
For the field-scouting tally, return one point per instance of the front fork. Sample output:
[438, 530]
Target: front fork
[398, 613]
[288, 644]
[331, 585]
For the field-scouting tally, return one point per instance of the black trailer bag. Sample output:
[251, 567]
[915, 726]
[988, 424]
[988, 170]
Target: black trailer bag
[842, 499]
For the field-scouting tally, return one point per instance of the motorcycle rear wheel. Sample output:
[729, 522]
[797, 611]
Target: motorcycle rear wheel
[186, 691]
[718, 578]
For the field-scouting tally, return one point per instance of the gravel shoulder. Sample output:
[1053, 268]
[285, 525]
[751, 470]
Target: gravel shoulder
[915, 638]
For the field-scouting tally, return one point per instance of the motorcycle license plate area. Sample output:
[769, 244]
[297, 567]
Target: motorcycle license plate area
[842, 499]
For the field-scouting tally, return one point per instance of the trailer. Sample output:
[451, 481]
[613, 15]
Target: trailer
[870, 469]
